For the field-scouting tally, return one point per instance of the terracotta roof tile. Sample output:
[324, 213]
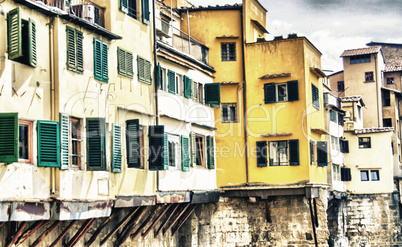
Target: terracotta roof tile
[353, 98]
[361, 51]
[393, 68]
[374, 130]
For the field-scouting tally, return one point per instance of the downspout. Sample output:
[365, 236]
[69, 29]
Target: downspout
[244, 95]
[188, 32]
[376, 90]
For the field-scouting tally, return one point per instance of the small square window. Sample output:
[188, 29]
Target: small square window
[375, 175]
[387, 122]
[364, 142]
[229, 113]
[390, 81]
[25, 141]
[281, 93]
[228, 51]
[369, 76]
[364, 176]
[278, 153]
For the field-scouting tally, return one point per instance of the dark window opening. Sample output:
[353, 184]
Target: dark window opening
[200, 153]
[25, 141]
[369, 76]
[172, 154]
[228, 51]
[132, 9]
[341, 86]
[229, 113]
[360, 59]
[364, 142]
[390, 81]
[386, 98]
[75, 141]
[387, 122]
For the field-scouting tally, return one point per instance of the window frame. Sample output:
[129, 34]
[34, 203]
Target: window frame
[333, 116]
[369, 76]
[174, 141]
[377, 172]
[231, 117]
[365, 58]
[315, 93]
[271, 162]
[78, 53]
[341, 86]
[29, 141]
[79, 140]
[366, 178]
[364, 144]
[390, 81]
[228, 55]
[336, 172]
[201, 160]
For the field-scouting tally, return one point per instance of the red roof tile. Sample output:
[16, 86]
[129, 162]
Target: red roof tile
[361, 51]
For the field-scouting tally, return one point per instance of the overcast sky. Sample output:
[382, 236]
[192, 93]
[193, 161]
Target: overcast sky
[332, 25]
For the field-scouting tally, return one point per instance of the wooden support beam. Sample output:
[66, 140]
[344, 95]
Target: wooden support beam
[124, 221]
[45, 233]
[312, 222]
[315, 212]
[185, 217]
[2, 223]
[100, 228]
[145, 223]
[176, 219]
[129, 227]
[17, 234]
[32, 230]
[83, 229]
[267, 212]
[167, 219]
[156, 221]
[63, 233]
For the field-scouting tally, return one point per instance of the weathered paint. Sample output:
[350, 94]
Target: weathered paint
[173, 197]
[81, 210]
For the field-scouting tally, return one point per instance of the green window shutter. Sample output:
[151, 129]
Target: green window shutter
[79, 51]
[64, 142]
[48, 144]
[212, 93]
[294, 152]
[105, 70]
[171, 82]
[97, 59]
[121, 61]
[141, 69]
[159, 76]
[148, 74]
[185, 154]
[210, 152]
[293, 90]
[188, 84]
[315, 96]
[322, 157]
[71, 49]
[116, 148]
[129, 64]
[124, 6]
[32, 43]
[96, 143]
[269, 93]
[133, 143]
[145, 11]
[157, 148]
[166, 152]
[8, 137]
[311, 152]
[193, 149]
[14, 33]
[261, 154]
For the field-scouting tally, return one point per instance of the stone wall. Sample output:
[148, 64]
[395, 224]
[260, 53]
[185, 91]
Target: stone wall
[336, 214]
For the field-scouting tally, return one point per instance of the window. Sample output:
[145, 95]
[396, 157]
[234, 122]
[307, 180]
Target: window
[316, 97]
[387, 122]
[210, 152]
[75, 59]
[125, 63]
[312, 155]
[229, 113]
[196, 95]
[336, 174]
[322, 154]
[359, 112]
[261, 153]
[386, 98]
[334, 143]
[201, 93]
[163, 83]
[135, 144]
[228, 51]
[364, 142]
[171, 77]
[346, 174]
[283, 153]
[158, 148]
[390, 81]
[131, 8]
[333, 116]
[179, 85]
[364, 176]
[21, 37]
[341, 86]
[96, 143]
[75, 142]
[288, 91]
[344, 146]
[187, 87]
[360, 59]
[374, 175]
[100, 60]
[172, 154]
[144, 70]
[25, 141]
[369, 76]
[200, 150]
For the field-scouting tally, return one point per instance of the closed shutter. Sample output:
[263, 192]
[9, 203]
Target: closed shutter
[8, 137]
[156, 147]
[121, 61]
[96, 143]
[159, 76]
[129, 64]
[311, 152]
[261, 154]
[98, 59]
[171, 82]
[32, 57]
[344, 145]
[71, 49]
[269, 93]
[188, 83]
[105, 69]
[294, 152]
[340, 119]
[293, 90]
[316, 97]
[147, 72]
[193, 149]
[133, 143]
[185, 154]
[346, 174]
[79, 51]
[48, 144]
[145, 12]
[210, 152]
[166, 152]
[124, 6]
[116, 148]
[322, 157]
[14, 33]
[64, 142]
[212, 93]
[140, 68]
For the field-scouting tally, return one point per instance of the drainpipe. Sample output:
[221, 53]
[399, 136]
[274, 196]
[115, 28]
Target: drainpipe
[244, 94]
[376, 90]
[188, 31]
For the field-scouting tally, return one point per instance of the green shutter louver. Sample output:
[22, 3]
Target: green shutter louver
[193, 145]
[311, 152]
[171, 81]
[100, 60]
[121, 61]
[261, 153]
[210, 152]
[105, 68]
[129, 64]
[165, 152]
[188, 84]
[294, 152]
[124, 6]
[8, 137]
[269, 93]
[157, 148]
[48, 144]
[185, 154]
[145, 11]
[159, 76]
[79, 51]
[293, 90]
[96, 143]
[14, 33]
[147, 73]
[116, 148]
[212, 93]
[32, 58]
[133, 143]
[64, 142]
[75, 59]
[315, 96]
[322, 157]
[141, 68]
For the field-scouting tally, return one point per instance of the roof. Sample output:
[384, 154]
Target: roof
[374, 130]
[393, 68]
[361, 51]
[373, 43]
[268, 76]
[335, 73]
[353, 98]
[235, 6]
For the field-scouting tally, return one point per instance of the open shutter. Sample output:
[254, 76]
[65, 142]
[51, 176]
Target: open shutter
[157, 148]
[171, 82]
[96, 145]
[311, 152]
[159, 76]
[14, 33]
[210, 152]
[294, 152]
[121, 61]
[148, 74]
[140, 69]
[133, 143]
[346, 174]
[261, 154]
[212, 93]
[145, 11]
[79, 51]
[166, 152]
[8, 137]
[193, 144]
[293, 90]
[124, 6]
[322, 157]
[116, 148]
[105, 70]
[188, 83]
[71, 49]
[269, 93]
[64, 142]
[316, 97]
[129, 64]
[48, 144]
[344, 145]
[340, 119]
[32, 57]
[97, 59]
[185, 154]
